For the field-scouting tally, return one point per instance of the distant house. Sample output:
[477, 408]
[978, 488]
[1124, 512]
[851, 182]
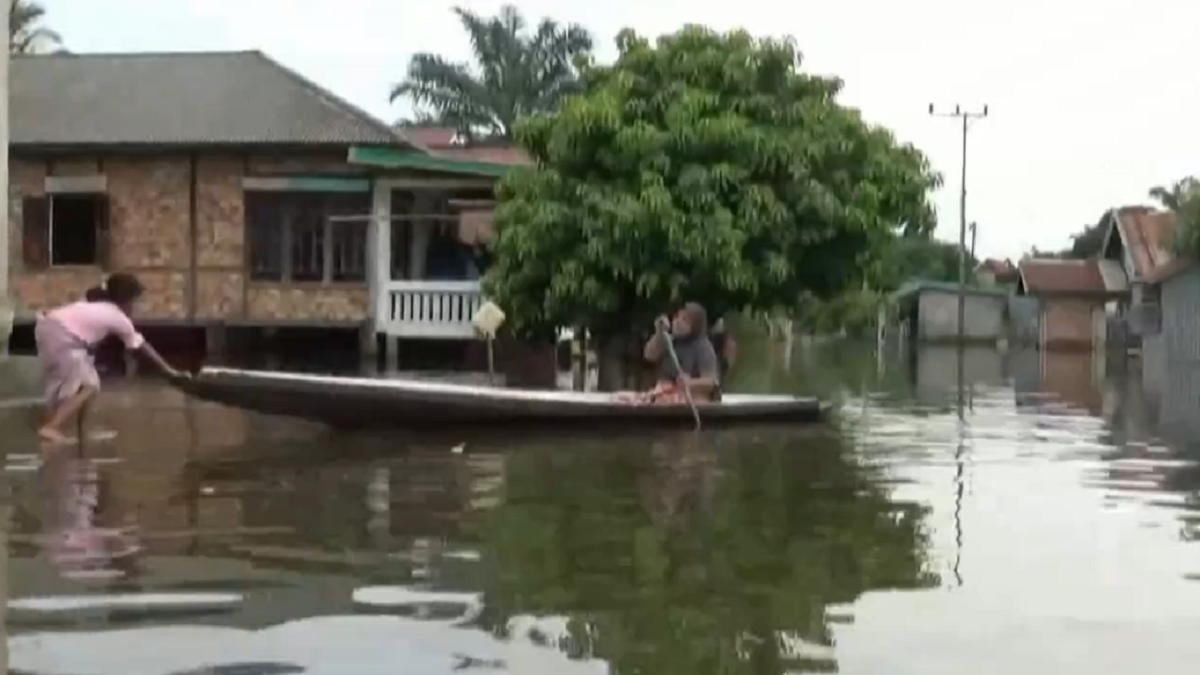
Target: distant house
[1137, 239]
[927, 311]
[994, 272]
[1071, 296]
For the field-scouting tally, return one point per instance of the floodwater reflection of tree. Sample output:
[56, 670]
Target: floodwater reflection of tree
[698, 555]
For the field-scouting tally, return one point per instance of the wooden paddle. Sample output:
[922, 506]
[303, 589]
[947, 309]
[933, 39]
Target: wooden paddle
[687, 391]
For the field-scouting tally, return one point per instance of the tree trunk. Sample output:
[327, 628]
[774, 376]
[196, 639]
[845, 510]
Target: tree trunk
[610, 354]
[619, 360]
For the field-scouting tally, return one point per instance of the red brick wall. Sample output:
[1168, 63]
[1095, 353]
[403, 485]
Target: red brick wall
[151, 232]
[320, 303]
[1067, 323]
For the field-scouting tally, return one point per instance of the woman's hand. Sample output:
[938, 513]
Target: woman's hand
[178, 374]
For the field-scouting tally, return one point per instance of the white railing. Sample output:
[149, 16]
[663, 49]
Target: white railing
[430, 309]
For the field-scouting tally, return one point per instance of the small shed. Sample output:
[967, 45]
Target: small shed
[1072, 297]
[927, 311]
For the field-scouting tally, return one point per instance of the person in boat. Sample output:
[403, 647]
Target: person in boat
[699, 369]
[67, 339]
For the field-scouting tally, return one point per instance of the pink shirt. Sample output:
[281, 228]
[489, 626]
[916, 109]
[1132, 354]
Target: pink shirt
[91, 322]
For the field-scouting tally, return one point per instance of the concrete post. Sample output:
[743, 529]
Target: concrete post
[216, 341]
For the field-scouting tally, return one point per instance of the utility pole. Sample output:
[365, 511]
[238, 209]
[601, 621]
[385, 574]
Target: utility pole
[966, 116]
[974, 231]
[6, 9]
[6, 306]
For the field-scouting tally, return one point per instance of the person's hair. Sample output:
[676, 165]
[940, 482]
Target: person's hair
[698, 316]
[120, 289]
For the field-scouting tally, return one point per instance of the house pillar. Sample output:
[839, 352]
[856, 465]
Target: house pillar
[379, 243]
[216, 340]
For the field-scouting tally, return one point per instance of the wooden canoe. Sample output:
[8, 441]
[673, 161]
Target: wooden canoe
[415, 404]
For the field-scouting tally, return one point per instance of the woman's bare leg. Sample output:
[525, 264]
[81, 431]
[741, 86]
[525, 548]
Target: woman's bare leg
[52, 428]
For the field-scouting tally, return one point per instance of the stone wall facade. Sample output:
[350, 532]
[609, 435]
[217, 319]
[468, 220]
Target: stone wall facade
[177, 221]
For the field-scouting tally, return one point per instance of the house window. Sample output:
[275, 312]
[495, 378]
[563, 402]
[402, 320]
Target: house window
[307, 237]
[65, 229]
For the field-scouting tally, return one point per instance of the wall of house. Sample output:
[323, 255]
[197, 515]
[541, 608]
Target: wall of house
[1171, 358]
[1068, 323]
[938, 317]
[1072, 378]
[194, 266]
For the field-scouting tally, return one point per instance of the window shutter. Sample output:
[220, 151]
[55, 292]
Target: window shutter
[103, 232]
[35, 232]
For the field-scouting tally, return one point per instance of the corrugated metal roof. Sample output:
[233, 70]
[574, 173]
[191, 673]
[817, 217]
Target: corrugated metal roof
[234, 98]
[917, 286]
[1043, 276]
[1113, 275]
[1146, 234]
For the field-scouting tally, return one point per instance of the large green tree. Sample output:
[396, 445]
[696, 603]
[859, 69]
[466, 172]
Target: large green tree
[26, 32]
[515, 73]
[705, 166]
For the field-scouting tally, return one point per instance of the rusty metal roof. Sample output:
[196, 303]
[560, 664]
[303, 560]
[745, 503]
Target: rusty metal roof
[1146, 233]
[1059, 277]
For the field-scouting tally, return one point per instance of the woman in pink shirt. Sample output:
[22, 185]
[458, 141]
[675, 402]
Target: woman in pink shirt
[67, 338]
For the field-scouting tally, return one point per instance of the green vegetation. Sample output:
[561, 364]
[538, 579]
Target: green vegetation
[1174, 197]
[1187, 230]
[704, 166]
[515, 73]
[26, 32]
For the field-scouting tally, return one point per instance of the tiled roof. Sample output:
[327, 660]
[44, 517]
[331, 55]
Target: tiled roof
[1052, 276]
[444, 142]
[430, 138]
[231, 98]
[1146, 234]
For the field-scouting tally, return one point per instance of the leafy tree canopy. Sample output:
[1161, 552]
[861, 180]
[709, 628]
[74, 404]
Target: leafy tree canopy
[1173, 197]
[515, 73]
[1187, 228]
[705, 166]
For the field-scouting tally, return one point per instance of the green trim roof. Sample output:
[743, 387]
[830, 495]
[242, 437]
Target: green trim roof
[918, 286]
[394, 158]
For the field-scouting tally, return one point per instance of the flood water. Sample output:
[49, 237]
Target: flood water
[1043, 519]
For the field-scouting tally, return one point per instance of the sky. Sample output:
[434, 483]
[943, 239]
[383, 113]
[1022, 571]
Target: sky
[1090, 103]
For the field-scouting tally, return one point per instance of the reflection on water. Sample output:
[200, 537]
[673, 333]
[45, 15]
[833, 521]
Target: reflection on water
[1049, 515]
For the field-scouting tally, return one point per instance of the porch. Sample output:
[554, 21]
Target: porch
[428, 309]
[425, 247]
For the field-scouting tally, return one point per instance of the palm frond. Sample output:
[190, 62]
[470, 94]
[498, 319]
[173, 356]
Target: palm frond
[514, 73]
[25, 34]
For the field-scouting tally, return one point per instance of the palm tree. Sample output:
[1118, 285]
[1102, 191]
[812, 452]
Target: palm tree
[26, 35]
[1172, 198]
[515, 73]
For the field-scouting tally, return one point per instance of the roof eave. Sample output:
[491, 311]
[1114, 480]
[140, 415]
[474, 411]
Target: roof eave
[393, 158]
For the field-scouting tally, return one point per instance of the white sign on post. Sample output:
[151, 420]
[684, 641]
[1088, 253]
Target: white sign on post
[487, 321]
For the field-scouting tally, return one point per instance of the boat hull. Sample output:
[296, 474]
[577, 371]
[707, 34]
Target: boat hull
[370, 402]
